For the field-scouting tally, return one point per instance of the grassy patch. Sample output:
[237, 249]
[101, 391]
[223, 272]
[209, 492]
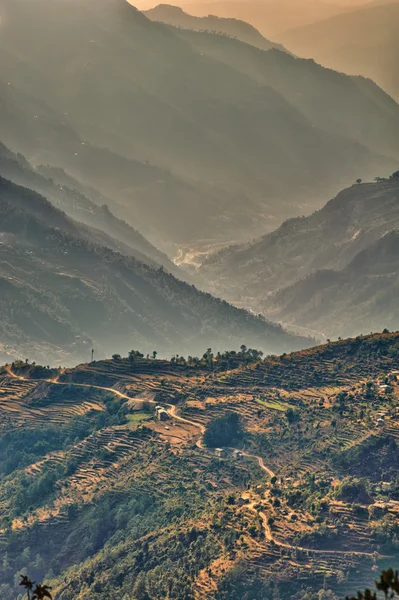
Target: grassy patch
[274, 404]
[137, 417]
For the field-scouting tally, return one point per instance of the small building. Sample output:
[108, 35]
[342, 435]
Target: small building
[220, 452]
[237, 454]
[380, 422]
[161, 413]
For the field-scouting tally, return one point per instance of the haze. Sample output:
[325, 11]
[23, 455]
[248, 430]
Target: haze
[271, 17]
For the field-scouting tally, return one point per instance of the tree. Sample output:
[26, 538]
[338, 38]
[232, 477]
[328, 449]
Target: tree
[292, 416]
[359, 181]
[154, 354]
[116, 357]
[223, 431]
[39, 593]
[388, 584]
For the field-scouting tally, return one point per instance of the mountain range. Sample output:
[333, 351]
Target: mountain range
[175, 15]
[191, 145]
[69, 195]
[65, 290]
[272, 17]
[362, 42]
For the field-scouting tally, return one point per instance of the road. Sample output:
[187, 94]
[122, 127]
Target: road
[56, 381]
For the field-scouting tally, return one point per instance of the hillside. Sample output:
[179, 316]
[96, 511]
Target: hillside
[341, 303]
[174, 15]
[63, 293]
[101, 499]
[367, 44]
[189, 146]
[150, 198]
[69, 196]
[328, 239]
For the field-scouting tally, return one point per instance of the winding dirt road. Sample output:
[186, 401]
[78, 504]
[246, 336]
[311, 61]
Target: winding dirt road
[56, 381]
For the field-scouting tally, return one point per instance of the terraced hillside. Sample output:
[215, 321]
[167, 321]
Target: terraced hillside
[103, 498]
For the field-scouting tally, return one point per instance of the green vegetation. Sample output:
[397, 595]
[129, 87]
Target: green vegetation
[97, 507]
[223, 431]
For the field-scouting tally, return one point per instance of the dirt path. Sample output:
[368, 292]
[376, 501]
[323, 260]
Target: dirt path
[56, 381]
[271, 538]
[173, 413]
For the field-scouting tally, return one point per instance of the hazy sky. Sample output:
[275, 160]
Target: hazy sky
[150, 3]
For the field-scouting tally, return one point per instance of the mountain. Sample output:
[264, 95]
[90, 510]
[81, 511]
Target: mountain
[340, 303]
[326, 98]
[105, 495]
[273, 17]
[174, 15]
[63, 292]
[68, 197]
[150, 197]
[190, 148]
[329, 239]
[367, 44]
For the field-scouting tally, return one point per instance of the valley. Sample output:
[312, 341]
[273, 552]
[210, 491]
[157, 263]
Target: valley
[199, 317]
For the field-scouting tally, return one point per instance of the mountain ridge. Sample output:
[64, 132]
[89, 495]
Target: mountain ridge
[193, 138]
[348, 224]
[61, 288]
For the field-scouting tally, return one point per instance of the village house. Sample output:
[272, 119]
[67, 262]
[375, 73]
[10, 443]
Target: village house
[161, 413]
[220, 452]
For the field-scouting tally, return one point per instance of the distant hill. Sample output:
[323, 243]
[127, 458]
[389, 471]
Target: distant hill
[189, 145]
[158, 203]
[329, 239]
[67, 196]
[62, 293]
[175, 15]
[361, 297]
[362, 42]
[272, 17]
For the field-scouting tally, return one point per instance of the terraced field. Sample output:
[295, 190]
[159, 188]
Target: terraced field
[291, 507]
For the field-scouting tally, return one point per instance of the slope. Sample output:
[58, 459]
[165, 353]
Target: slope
[160, 204]
[367, 43]
[328, 239]
[102, 499]
[341, 303]
[332, 101]
[229, 150]
[71, 199]
[174, 15]
[62, 293]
